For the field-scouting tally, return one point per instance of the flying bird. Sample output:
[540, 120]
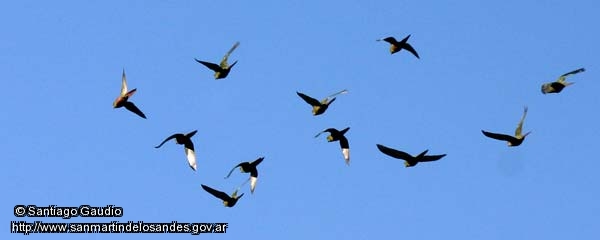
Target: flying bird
[221, 70]
[409, 160]
[558, 85]
[228, 201]
[512, 141]
[186, 141]
[123, 98]
[319, 107]
[249, 167]
[397, 46]
[336, 135]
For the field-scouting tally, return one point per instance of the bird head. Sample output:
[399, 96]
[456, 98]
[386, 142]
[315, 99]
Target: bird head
[330, 138]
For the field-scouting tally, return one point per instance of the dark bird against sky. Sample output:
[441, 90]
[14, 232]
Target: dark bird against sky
[320, 107]
[409, 160]
[228, 201]
[397, 46]
[558, 85]
[512, 141]
[186, 141]
[123, 98]
[223, 69]
[336, 135]
[249, 167]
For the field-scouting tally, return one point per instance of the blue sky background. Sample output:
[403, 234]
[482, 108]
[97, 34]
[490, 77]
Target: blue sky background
[481, 62]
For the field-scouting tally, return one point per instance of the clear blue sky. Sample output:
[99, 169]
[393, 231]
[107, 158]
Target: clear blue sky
[481, 62]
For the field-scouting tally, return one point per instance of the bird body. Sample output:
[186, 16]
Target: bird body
[396, 46]
[512, 141]
[223, 69]
[123, 99]
[319, 108]
[409, 160]
[228, 201]
[336, 135]
[186, 141]
[558, 85]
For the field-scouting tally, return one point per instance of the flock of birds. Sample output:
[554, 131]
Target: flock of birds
[223, 69]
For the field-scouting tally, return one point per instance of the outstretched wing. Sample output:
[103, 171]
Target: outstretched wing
[338, 93]
[497, 136]
[309, 100]
[520, 125]
[210, 65]
[257, 161]
[390, 40]
[573, 72]
[409, 48]
[223, 63]
[221, 195]
[429, 158]
[123, 84]
[394, 153]
[562, 79]
[236, 166]
[167, 139]
[131, 107]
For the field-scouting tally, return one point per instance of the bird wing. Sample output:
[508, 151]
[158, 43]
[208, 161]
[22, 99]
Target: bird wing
[191, 134]
[394, 153]
[338, 93]
[309, 100]
[167, 139]
[257, 161]
[191, 157]
[123, 84]
[223, 63]
[520, 125]
[390, 40]
[429, 158]
[498, 136]
[131, 107]
[221, 195]
[236, 166]
[573, 72]
[210, 65]
[409, 48]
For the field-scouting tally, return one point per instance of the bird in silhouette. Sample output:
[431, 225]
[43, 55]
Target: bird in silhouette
[558, 85]
[397, 46]
[319, 107]
[123, 98]
[221, 70]
[228, 201]
[335, 135]
[512, 141]
[409, 160]
[249, 167]
[186, 141]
